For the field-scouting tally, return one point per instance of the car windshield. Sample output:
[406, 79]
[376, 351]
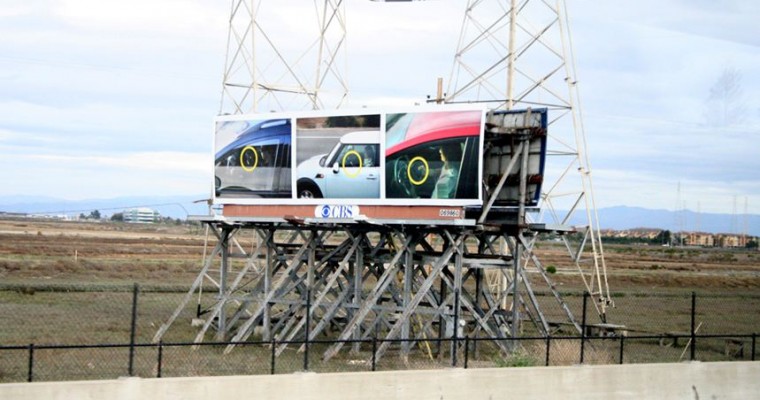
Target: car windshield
[429, 170]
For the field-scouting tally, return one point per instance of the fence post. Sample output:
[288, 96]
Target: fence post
[754, 336]
[30, 372]
[308, 322]
[622, 344]
[374, 351]
[466, 350]
[133, 329]
[160, 358]
[548, 346]
[272, 345]
[583, 325]
[693, 320]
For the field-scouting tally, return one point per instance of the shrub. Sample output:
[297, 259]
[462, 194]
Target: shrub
[519, 358]
[551, 269]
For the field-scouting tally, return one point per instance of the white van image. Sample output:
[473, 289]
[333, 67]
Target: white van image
[350, 170]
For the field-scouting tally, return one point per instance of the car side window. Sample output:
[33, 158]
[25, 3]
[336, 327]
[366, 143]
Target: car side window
[428, 170]
[349, 156]
[284, 156]
[267, 155]
[370, 156]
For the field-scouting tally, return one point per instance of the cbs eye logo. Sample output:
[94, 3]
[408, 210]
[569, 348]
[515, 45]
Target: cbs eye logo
[325, 211]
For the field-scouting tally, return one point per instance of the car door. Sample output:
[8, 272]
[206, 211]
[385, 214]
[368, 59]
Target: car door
[249, 168]
[353, 173]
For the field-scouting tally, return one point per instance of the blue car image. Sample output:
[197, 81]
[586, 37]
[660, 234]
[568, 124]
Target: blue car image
[256, 163]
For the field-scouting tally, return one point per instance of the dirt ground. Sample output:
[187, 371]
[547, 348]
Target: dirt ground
[42, 251]
[38, 252]
[71, 283]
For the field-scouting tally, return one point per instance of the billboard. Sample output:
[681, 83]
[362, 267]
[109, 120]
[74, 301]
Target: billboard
[416, 156]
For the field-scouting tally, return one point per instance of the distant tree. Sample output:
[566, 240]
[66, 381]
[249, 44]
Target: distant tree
[752, 244]
[372, 121]
[82, 216]
[117, 217]
[341, 121]
[664, 237]
[95, 214]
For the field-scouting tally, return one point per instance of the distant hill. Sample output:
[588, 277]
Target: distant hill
[622, 217]
[618, 218]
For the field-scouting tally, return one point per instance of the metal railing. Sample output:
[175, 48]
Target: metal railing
[66, 362]
[133, 357]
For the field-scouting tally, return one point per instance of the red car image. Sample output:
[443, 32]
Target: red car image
[433, 155]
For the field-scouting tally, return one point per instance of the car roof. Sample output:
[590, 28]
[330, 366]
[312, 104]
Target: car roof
[259, 131]
[431, 126]
[361, 137]
[264, 129]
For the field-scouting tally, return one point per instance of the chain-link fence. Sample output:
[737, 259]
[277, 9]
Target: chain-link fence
[103, 332]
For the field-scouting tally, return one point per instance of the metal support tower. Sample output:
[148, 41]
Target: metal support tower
[262, 74]
[518, 53]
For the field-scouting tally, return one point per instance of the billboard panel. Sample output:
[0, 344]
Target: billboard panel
[252, 158]
[433, 155]
[338, 157]
[421, 156]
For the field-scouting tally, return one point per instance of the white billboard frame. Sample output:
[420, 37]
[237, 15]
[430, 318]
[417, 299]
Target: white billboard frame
[223, 196]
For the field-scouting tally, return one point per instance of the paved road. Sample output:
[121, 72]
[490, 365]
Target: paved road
[312, 142]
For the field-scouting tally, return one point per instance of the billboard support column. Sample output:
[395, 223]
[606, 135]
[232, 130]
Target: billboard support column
[515, 292]
[357, 267]
[409, 273]
[221, 333]
[423, 289]
[457, 300]
[268, 270]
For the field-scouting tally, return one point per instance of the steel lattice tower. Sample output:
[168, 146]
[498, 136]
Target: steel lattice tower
[408, 279]
[264, 73]
[518, 53]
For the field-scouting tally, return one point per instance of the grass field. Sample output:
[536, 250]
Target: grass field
[71, 283]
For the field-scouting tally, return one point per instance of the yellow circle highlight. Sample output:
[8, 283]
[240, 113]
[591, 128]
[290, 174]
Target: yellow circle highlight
[255, 159]
[345, 156]
[409, 171]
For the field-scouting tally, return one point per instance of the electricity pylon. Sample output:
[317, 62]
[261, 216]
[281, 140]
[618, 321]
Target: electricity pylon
[518, 53]
[303, 70]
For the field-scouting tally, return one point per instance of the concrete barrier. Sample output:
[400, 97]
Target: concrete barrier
[694, 380]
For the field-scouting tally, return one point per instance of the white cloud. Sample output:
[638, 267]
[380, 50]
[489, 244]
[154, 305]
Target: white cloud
[108, 98]
[186, 18]
[104, 176]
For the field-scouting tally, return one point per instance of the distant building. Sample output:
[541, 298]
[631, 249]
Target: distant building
[141, 215]
[699, 239]
[731, 240]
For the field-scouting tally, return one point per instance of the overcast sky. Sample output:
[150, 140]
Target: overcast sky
[106, 98]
